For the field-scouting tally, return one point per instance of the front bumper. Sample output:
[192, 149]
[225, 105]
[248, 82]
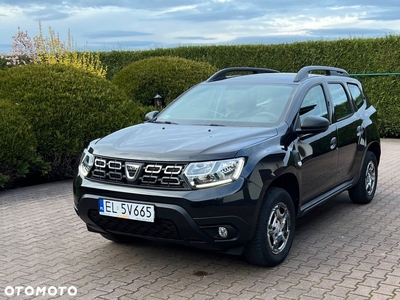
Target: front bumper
[190, 217]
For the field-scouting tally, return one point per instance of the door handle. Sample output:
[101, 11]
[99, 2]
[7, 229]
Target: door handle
[333, 143]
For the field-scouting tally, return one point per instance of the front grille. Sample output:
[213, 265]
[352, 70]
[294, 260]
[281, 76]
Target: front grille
[161, 228]
[162, 175]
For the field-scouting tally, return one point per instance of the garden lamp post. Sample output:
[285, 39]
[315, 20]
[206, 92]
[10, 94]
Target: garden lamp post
[158, 101]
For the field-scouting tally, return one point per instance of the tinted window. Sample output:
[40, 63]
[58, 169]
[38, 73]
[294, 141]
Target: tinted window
[356, 95]
[314, 103]
[340, 101]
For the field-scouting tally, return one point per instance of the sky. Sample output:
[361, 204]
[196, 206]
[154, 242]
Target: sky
[106, 25]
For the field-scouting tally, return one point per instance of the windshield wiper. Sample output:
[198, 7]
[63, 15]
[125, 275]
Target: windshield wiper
[216, 125]
[165, 122]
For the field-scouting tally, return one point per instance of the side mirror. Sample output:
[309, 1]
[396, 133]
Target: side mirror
[151, 115]
[313, 124]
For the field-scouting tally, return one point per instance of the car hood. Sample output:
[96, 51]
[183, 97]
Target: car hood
[170, 142]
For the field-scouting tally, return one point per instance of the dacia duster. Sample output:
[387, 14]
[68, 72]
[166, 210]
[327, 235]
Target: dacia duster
[232, 162]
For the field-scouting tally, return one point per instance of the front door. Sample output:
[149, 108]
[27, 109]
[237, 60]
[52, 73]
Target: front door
[318, 152]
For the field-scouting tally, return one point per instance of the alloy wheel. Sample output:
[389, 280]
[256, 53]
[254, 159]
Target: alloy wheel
[370, 178]
[278, 230]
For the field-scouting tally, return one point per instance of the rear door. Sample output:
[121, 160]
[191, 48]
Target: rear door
[349, 130]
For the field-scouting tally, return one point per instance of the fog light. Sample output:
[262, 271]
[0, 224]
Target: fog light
[223, 232]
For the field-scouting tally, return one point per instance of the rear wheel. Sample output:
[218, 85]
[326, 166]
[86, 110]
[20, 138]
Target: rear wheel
[363, 192]
[274, 230]
[118, 238]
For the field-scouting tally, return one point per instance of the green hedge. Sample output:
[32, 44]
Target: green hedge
[66, 108]
[355, 55]
[18, 155]
[166, 76]
[3, 64]
[384, 92]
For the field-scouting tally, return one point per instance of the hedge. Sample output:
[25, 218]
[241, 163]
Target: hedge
[166, 76]
[18, 155]
[3, 63]
[355, 55]
[66, 108]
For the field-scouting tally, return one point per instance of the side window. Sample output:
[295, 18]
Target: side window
[340, 101]
[356, 95]
[314, 103]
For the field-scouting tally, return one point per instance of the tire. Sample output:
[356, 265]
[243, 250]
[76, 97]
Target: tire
[364, 190]
[117, 238]
[274, 232]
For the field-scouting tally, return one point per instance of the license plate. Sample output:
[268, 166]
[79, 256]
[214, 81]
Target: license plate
[126, 210]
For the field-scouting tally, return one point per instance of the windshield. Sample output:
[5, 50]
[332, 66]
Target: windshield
[224, 104]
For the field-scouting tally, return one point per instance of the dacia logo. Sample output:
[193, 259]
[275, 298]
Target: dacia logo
[132, 171]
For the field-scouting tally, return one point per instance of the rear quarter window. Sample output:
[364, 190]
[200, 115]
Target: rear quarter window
[340, 101]
[356, 95]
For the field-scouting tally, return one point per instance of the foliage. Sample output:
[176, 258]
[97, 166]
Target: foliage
[166, 76]
[356, 55]
[384, 92]
[67, 108]
[51, 50]
[3, 63]
[18, 154]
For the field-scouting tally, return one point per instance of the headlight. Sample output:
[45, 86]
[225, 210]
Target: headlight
[86, 163]
[212, 173]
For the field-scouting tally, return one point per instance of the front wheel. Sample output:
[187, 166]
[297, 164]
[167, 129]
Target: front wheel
[275, 228]
[364, 190]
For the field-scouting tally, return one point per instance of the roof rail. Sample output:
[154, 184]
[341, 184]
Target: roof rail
[330, 71]
[222, 74]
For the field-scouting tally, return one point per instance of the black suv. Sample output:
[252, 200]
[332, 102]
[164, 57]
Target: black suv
[231, 163]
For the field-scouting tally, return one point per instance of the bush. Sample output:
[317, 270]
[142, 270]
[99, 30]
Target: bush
[18, 154]
[67, 108]
[167, 76]
[3, 63]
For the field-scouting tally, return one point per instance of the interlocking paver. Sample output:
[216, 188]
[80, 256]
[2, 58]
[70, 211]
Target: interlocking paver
[341, 251]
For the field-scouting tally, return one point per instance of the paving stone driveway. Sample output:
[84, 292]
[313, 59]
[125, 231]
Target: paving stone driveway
[341, 251]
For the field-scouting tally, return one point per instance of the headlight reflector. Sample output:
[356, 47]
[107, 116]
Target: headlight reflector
[87, 161]
[213, 173]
